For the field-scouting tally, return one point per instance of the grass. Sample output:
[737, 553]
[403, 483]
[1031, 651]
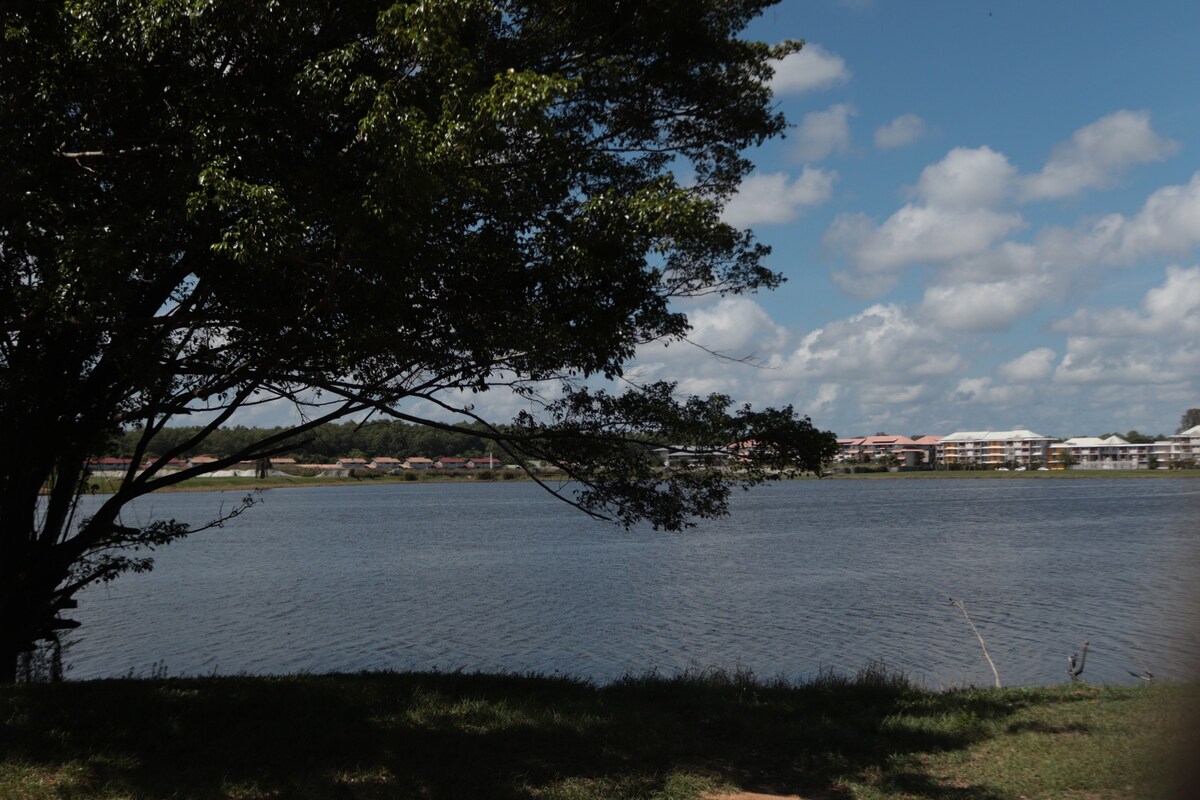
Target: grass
[451, 735]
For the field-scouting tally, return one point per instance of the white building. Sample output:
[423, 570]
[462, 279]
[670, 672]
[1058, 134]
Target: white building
[1113, 452]
[990, 449]
[1185, 445]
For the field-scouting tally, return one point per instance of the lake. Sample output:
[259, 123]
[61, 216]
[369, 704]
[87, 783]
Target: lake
[804, 576]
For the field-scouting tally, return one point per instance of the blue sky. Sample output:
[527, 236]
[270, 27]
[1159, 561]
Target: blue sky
[988, 214]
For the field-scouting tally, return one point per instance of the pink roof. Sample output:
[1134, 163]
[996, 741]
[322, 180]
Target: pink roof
[928, 440]
[878, 440]
[386, 460]
[113, 461]
[453, 460]
[419, 460]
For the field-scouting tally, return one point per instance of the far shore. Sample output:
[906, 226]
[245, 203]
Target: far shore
[206, 484]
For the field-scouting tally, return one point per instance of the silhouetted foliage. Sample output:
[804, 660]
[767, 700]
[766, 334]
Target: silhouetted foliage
[376, 207]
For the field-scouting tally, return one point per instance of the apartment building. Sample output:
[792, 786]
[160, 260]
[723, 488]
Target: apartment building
[1114, 452]
[993, 448]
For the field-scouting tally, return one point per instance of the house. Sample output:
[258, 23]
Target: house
[109, 467]
[681, 455]
[352, 463]
[451, 463]
[483, 462]
[386, 463]
[416, 462]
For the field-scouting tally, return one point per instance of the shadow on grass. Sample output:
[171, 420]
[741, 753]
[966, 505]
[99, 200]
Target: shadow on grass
[431, 735]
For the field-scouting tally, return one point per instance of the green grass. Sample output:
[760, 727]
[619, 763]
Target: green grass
[439, 735]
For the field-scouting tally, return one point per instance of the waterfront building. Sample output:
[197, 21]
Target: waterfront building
[991, 449]
[1112, 452]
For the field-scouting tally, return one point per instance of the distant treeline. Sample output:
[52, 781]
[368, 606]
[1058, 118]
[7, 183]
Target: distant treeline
[320, 445]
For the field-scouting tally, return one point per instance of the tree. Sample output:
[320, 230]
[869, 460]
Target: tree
[1190, 419]
[353, 208]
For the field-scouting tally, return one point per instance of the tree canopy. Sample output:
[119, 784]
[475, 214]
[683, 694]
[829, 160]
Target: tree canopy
[362, 207]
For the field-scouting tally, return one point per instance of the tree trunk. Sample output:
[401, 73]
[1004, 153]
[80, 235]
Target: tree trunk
[8, 668]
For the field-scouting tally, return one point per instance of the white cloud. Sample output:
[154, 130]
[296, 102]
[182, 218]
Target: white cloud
[1169, 311]
[1155, 345]
[882, 343]
[1168, 223]
[981, 391]
[1118, 362]
[772, 199]
[735, 326]
[900, 132]
[1097, 154]
[986, 306]
[967, 178]
[811, 69]
[822, 133]
[918, 234]
[1032, 367]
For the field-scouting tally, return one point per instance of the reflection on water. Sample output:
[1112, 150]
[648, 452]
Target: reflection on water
[805, 575]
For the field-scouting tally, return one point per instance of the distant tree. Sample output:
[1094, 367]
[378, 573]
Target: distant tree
[1133, 437]
[1190, 419]
[361, 207]
[1067, 459]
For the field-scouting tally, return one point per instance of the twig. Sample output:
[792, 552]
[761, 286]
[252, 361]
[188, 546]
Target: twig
[1074, 672]
[963, 608]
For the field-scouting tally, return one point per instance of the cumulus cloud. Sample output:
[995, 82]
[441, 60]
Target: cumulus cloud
[952, 218]
[882, 341]
[1119, 362]
[813, 68]
[966, 178]
[1171, 310]
[982, 391]
[1156, 344]
[918, 233]
[900, 132]
[822, 133]
[772, 198]
[735, 326]
[986, 306]
[1032, 367]
[1097, 154]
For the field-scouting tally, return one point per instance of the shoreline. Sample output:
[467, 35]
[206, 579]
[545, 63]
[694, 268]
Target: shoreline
[205, 484]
